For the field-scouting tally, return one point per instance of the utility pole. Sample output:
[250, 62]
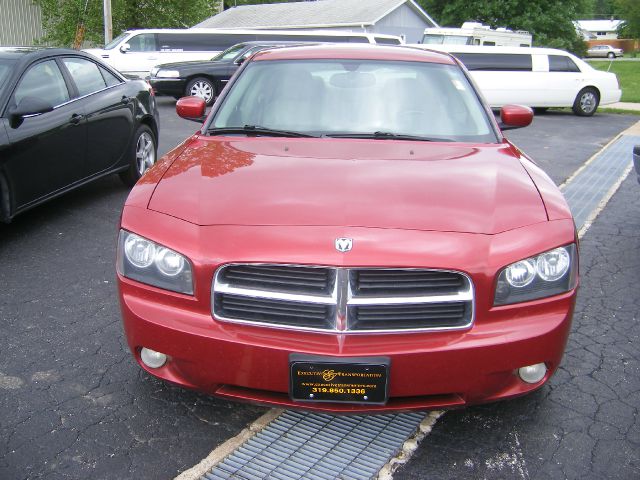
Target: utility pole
[108, 26]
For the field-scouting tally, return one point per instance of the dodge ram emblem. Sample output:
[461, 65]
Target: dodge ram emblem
[344, 244]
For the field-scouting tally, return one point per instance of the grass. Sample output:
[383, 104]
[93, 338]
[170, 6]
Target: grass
[628, 76]
[618, 110]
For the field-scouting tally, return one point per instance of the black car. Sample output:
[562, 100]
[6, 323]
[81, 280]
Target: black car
[67, 119]
[205, 79]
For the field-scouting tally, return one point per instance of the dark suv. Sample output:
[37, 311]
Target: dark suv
[204, 79]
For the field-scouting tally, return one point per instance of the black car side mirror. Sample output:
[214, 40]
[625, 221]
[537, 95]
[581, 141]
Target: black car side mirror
[28, 106]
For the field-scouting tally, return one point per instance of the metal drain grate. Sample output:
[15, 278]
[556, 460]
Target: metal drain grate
[317, 446]
[585, 191]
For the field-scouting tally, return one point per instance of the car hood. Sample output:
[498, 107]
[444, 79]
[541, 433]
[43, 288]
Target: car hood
[347, 182]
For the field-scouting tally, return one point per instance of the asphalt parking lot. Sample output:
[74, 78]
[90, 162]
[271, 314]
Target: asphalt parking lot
[75, 405]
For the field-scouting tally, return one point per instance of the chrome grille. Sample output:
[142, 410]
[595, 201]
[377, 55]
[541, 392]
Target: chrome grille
[348, 300]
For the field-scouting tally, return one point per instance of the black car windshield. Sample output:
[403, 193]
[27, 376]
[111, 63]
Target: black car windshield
[230, 53]
[6, 66]
[379, 99]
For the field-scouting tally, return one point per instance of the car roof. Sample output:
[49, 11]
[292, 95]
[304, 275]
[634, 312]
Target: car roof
[35, 52]
[492, 49]
[354, 51]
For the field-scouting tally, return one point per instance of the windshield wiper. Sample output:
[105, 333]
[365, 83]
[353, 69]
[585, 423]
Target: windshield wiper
[258, 130]
[388, 136]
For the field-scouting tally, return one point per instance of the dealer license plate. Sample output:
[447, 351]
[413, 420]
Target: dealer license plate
[352, 380]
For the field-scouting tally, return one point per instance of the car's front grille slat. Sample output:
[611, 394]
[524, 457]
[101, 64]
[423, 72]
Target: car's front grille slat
[372, 299]
[409, 316]
[281, 278]
[404, 282]
[276, 312]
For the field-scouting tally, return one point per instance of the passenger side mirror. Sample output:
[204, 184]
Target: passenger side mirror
[191, 108]
[125, 47]
[28, 106]
[515, 116]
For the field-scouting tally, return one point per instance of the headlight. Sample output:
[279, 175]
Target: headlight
[148, 262]
[167, 74]
[544, 275]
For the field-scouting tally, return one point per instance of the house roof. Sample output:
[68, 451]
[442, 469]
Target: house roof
[599, 25]
[321, 13]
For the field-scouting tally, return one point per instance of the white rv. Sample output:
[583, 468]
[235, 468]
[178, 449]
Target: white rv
[473, 33]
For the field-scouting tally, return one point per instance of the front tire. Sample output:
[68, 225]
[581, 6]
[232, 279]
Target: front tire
[142, 155]
[586, 102]
[203, 88]
[611, 55]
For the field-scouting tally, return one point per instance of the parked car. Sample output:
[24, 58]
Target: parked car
[537, 77]
[67, 119]
[604, 51]
[349, 231]
[204, 79]
[136, 52]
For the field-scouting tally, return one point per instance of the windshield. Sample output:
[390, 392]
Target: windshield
[342, 97]
[229, 54]
[5, 69]
[112, 44]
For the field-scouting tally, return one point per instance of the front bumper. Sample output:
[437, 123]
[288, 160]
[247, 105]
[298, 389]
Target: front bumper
[173, 87]
[428, 370]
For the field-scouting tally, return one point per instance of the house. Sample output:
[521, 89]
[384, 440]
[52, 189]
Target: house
[394, 17]
[599, 29]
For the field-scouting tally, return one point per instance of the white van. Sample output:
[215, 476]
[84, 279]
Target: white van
[537, 77]
[136, 52]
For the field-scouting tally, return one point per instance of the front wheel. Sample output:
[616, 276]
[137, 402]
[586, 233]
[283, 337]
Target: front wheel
[142, 155]
[586, 102]
[611, 55]
[203, 88]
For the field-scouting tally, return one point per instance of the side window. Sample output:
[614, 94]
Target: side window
[512, 62]
[560, 63]
[387, 41]
[43, 80]
[492, 44]
[145, 42]
[85, 74]
[109, 77]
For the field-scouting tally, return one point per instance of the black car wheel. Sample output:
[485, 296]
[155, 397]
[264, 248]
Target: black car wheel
[203, 88]
[142, 155]
[586, 102]
[611, 55]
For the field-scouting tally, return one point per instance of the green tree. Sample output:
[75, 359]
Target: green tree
[629, 11]
[62, 17]
[549, 21]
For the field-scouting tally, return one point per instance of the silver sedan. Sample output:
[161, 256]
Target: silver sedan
[604, 51]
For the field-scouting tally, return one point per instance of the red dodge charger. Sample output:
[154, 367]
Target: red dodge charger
[349, 231]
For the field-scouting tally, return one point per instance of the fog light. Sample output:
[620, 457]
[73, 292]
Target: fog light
[152, 359]
[532, 373]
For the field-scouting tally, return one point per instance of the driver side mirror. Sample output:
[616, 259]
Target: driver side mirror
[125, 47]
[191, 108]
[28, 106]
[515, 116]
